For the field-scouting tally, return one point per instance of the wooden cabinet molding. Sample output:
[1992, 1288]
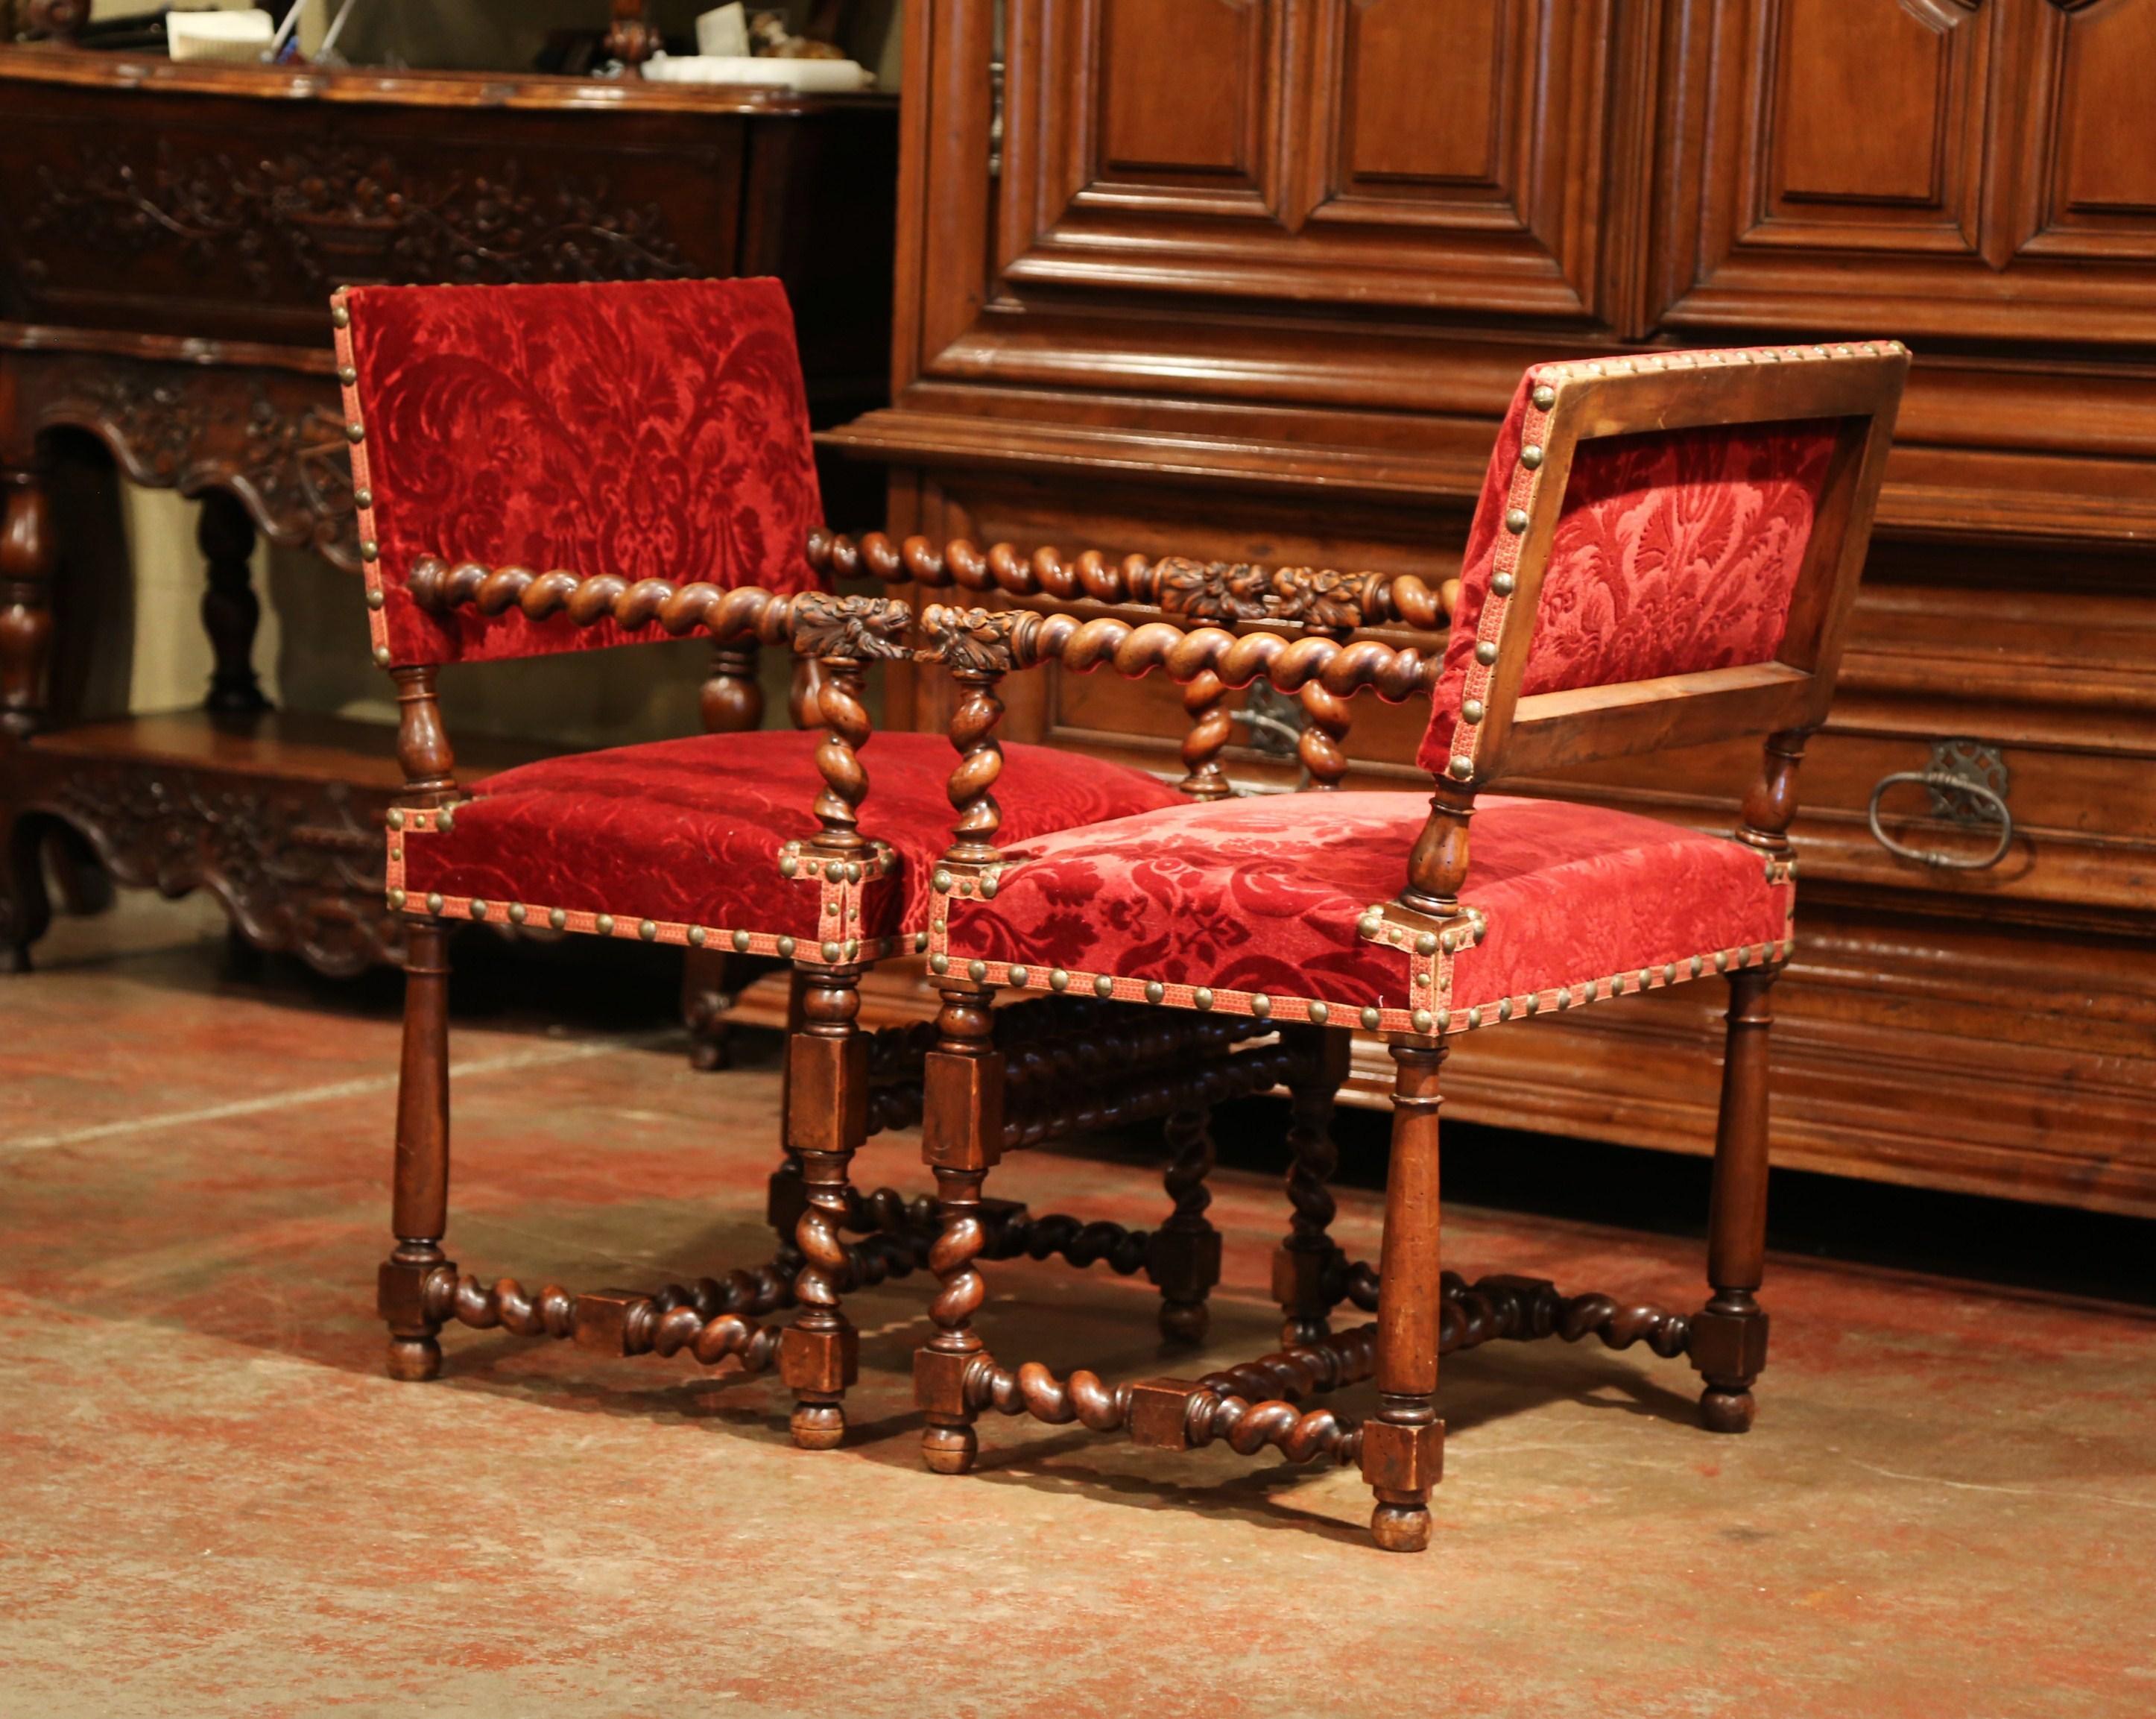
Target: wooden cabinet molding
[1973, 154]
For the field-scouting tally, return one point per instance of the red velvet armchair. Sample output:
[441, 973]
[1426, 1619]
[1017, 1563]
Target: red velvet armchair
[1665, 552]
[647, 447]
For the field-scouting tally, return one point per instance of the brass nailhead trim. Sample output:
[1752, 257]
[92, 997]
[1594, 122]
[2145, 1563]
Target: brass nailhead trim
[988, 888]
[445, 820]
[831, 951]
[1319, 1013]
[340, 317]
[382, 654]
[478, 908]
[1422, 1020]
[647, 930]
[1460, 769]
[1369, 924]
[698, 936]
[1426, 944]
[1371, 1017]
[394, 817]
[348, 376]
[1515, 521]
[397, 897]
[1261, 1006]
[603, 924]
[1103, 985]
[516, 913]
[1502, 583]
[977, 971]
[374, 599]
[369, 550]
[1486, 653]
[939, 964]
[1019, 975]
[1201, 998]
[941, 880]
[362, 498]
[1531, 457]
[920, 942]
[1472, 711]
[1059, 981]
[786, 949]
[1545, 397]
[433, 903]
[558, 918]
[355, 432]
[1155, 990]
[789, 866]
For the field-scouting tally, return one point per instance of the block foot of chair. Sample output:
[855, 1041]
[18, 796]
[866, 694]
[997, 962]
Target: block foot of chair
[1401, 1527]
[1184, 1322]
[413, 1359]
[949, 1450]
[818, 1426]
[1721, 1411]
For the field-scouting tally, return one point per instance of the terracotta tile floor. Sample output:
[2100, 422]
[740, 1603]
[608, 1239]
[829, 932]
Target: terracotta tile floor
[211, 1502]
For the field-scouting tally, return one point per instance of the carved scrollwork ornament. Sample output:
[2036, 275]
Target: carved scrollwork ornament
[854, 628]
[973, 641]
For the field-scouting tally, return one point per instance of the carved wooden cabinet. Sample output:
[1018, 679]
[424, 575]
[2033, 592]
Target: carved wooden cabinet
[1255, 278]
[169, 237]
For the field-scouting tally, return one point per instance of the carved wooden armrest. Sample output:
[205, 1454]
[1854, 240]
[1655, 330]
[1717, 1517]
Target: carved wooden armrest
[1320, 599]
[853, 630]
[990, 643]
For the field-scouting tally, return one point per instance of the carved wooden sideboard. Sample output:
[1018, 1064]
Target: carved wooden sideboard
[169, 237]
[1253, 279]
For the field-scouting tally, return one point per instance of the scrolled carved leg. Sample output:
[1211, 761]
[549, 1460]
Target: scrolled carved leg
[827, 1119]
[1403, 1449]
[1728, 1338]
[1307, 1273]
[962, 1138]
[1183, 1257]
[420, 1197]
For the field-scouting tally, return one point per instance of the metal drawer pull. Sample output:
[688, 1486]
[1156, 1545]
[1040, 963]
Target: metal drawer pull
[1968, 782]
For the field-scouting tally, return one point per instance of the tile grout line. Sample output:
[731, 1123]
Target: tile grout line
[321, 1094]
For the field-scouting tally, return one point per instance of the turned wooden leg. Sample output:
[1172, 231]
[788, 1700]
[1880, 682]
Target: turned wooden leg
[231, 612]
[827, 1077]
[1729, 1338]
[1183, 1260]
[420, 1208]
[1303, 1265]
[28, 554]
[1404, 1447]
[961, 1139]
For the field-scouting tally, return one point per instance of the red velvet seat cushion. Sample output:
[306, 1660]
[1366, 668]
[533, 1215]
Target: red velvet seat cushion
[1266, 896]
[688, 832]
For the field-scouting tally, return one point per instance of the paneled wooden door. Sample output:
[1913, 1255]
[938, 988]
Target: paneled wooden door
[1938, 168]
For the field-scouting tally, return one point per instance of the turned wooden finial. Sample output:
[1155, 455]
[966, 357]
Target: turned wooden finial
[423, 743]
[1771, 806]
[1437, 866]
[844, 634]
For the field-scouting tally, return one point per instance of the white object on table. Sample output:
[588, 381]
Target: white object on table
[723, 32]
[219, 35]
[812, 76]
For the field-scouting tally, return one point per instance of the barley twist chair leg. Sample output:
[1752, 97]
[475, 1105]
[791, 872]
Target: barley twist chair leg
[1304, 1266]
[826, 1068]
[962, 1138]
[1184, 1258]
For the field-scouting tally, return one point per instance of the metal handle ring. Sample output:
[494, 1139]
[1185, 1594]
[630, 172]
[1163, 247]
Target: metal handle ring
[1939, 782]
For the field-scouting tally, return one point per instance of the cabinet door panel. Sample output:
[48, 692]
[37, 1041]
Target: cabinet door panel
[1916, 167]
[1419, 153]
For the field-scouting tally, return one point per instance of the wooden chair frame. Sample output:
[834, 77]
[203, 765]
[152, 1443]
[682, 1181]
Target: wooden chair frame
[1421, 1311]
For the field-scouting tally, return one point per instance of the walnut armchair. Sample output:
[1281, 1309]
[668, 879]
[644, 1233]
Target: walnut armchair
[652, 436]
[1665, 552]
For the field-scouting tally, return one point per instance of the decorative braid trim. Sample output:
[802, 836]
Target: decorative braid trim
[362, 476]
[1429, 1013]
[839, 884]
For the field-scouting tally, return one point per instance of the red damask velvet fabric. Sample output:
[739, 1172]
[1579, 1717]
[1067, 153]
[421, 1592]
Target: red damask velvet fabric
[690, 830]
[651, 430]
[1674, 551]
[1264, 894]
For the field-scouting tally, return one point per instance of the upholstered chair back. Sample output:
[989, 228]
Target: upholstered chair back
[658, 429]
[1662, 531]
